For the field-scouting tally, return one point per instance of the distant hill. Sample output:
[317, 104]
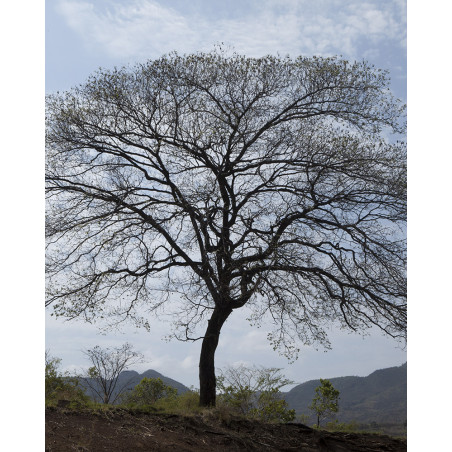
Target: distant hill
[381, 397]
[130, 378]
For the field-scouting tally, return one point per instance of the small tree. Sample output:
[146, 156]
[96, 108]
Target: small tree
[107, 364]
[326, 400]
[255, 392]
[149, 391]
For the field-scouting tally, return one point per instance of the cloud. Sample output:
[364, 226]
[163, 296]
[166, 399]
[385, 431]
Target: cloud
[133, 29]
[148, 28]
[189, 362]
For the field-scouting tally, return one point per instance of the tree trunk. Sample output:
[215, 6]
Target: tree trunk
[207, 380]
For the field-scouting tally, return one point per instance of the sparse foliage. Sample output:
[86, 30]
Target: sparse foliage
[107, 364]
[207, 182]
[255, 392]
[326, 400]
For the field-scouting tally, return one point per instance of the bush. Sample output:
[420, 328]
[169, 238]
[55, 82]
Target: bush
[62, 387]
[335, 426]
[148, 392]
[255, 392]
[272, 408]
[186, 403]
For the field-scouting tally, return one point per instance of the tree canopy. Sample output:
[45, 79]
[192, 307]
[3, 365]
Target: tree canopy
[207, 182]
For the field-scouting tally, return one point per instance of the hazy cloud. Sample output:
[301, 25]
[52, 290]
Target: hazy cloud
[147, 28]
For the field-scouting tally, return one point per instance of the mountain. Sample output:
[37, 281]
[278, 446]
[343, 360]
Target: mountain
[128, 379]
[381, 397]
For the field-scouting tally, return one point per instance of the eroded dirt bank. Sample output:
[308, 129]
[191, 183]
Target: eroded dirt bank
[120, 430]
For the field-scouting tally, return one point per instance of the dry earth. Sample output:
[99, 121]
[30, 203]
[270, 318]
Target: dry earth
[127, 431]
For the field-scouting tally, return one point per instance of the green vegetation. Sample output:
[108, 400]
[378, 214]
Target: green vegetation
[61, 388]
[246, 392]
[390, 429]
[186, 403]
[148, 392]
[326, 400]
[255, 392]
[336, 426]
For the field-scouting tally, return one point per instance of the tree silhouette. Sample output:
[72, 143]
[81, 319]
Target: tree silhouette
[207, 182]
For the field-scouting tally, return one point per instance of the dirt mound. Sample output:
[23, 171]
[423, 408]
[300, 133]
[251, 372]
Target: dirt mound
[128, 431]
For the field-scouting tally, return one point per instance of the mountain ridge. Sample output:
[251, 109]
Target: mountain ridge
[380, 397]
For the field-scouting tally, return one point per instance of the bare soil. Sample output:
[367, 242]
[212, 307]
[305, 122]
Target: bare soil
[129, 431]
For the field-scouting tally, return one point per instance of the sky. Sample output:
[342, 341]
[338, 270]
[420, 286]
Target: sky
[82, 36]
[53, 48]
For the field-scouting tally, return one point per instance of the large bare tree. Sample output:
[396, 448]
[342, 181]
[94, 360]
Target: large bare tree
[208, 182]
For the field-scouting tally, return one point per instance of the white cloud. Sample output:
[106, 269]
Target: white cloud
[133, 29]
[371, 20]
[147, 28]
[189, 362]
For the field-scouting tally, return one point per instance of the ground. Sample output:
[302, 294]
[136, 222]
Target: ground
[128, 431]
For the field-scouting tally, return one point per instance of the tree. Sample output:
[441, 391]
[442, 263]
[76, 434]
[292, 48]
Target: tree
[255, 392]
[102, 378]
[149, 391]
[326, 400]
[196, 185]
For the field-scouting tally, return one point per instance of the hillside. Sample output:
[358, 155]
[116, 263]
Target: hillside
[381, 397]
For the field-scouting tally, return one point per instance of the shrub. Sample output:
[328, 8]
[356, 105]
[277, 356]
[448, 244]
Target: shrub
[271, 407]
[255, 392]
[186, 403]
[62, 387]
[148, 392]
[335, 426]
